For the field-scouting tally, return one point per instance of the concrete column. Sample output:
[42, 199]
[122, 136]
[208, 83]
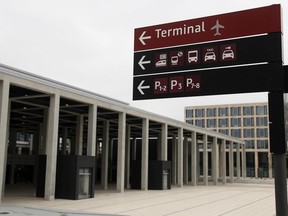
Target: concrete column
[180, 158]
[164, 143]
[92, 130]
[36, 135]
[256, 164]
[64, 140]
[244, 161]
[96, 162]
[31, 145]
[193, 159]
[223, 161]
[79, 135]
[12, 145]
[144, 157]
[127, 157]
[174, 164]
[215, 161]
[42, 134]
[269, 163]
[44, 130]
[6, 146]
[73, 145]
[220, 159]
[198, 160]
[121, 152]
[68, 146]
[159, 141]
[205, 160]
[110, 163]
[134, 149]
[105, 155]
[51, 146]
[238, 161]
[4, 112]
[185, 162]
[231, 162]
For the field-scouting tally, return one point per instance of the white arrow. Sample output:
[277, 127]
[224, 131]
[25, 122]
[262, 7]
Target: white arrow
[141, 62]
[142, 38]
[140, 87]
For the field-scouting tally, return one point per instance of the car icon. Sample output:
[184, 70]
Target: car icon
[228, 54]
[210, 56]
[161, 63]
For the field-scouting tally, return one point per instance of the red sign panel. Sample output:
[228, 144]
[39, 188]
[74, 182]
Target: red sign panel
[218, 27]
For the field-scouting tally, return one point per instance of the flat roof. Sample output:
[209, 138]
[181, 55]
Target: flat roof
[43, 87]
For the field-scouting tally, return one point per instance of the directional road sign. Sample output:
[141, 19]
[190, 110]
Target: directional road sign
[263, 48]
[229, 80]
[222, 54]
[218, 27]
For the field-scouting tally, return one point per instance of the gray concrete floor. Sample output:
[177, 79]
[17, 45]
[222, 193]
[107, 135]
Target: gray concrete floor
[236, 199]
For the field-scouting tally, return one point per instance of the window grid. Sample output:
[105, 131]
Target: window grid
[245, 121]
[249, 122]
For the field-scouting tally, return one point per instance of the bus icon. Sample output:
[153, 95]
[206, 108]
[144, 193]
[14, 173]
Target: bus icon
[192, 56]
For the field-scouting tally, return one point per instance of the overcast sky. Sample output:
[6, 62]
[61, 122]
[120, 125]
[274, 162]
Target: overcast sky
[90, 43]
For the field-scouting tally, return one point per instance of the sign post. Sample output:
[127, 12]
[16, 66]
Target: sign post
[278, 147]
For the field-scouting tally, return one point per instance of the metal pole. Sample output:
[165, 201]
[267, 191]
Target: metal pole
[280, 184]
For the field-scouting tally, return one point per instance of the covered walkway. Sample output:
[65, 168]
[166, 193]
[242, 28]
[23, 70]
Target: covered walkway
[42, 117]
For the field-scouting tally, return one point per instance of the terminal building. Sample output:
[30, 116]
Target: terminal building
[65, 141]
[249, 122]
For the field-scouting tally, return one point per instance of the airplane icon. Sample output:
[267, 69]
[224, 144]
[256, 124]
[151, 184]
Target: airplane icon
[217, 27]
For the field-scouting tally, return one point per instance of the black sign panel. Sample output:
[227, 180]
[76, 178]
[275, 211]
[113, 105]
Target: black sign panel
[264, 48]
[285, 67]
[229, 80]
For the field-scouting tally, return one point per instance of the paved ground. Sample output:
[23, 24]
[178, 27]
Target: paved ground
[232, 199]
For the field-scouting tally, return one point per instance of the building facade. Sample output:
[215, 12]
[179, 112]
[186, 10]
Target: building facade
[245, 121]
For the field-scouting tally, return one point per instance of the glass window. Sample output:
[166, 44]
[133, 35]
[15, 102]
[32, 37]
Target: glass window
[223, 111]
[249, 133]
[223, 122]
[23, 144]
[189, 113]
[248, 110]
[224, 131]
[199, 112]
[261, 110]
[200, 122]
[235, 122]
[23, 137]
[236, 133]
[261, 121]
[249, 144]
[248, 122]
[189, 121]
[84, 183]
[262, 144]
[211, 112]
[211, 123]
[235, 111]
[262, 132]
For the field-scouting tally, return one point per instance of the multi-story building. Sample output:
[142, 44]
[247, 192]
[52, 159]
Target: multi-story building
[246, 121]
